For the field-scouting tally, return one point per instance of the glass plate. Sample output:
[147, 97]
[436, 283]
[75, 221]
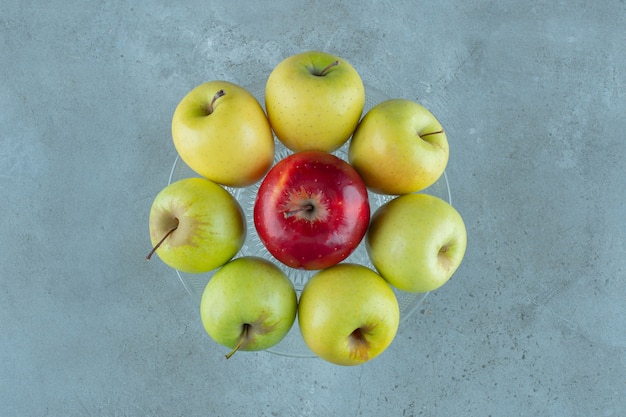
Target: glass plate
[293, 344]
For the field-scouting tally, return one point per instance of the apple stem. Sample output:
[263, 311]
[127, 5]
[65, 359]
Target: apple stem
[307, 208]
[432, 133]
[240, 342]
[169, 232]
[220, 93]
[325, 70]
[359, 345]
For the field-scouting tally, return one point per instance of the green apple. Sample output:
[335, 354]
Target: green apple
[399, 147]
[314, 101]
[348, 314]
[221, 131]
[249, 304]
[416, 242]
[196, 225]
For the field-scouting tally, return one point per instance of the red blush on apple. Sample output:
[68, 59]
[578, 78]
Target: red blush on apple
[311, 210]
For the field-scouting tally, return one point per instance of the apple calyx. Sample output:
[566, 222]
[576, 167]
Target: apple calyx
[325, 70]
[444, 258]
[210, 108]
[169, 232]
[305, 205]
[243, 339]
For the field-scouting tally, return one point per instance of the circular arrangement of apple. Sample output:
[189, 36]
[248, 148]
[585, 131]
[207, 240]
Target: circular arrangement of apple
[311, 210]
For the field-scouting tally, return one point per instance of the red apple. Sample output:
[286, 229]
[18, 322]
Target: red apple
[311, 210]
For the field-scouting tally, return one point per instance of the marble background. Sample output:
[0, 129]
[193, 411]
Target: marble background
[532, 97]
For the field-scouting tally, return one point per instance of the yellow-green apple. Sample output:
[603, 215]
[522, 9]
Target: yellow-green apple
[249, 304]
[221, 131]
[314, 101]
[196, 225]
[348, 314]
[399, 147]
[416, 242]
[311, 210]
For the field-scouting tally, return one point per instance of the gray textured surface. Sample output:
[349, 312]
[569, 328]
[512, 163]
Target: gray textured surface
[532, 97]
